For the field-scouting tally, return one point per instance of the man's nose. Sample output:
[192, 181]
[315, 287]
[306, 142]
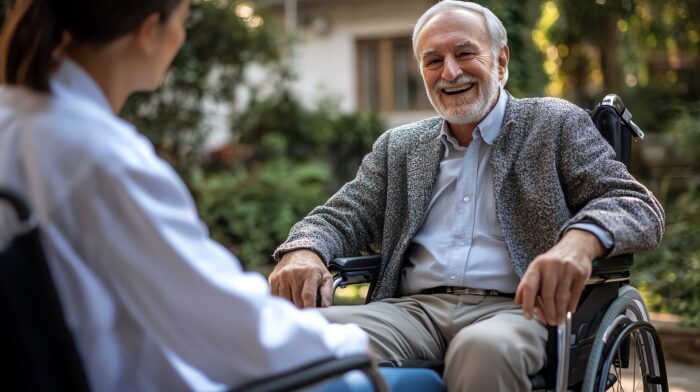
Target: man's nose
[451, 70]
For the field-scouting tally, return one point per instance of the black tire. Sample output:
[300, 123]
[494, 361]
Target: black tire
[626, 309]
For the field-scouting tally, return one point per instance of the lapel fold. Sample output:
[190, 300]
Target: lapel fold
[423, 164]
[507, 145]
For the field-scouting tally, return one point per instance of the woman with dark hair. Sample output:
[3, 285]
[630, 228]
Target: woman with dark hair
[152, 301]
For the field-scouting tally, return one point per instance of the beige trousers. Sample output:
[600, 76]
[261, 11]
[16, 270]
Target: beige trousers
[486, 343]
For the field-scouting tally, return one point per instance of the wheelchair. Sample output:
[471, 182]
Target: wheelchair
[609, 342]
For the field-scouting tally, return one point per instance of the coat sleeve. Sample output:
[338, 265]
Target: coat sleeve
[351, 221]
[599, 188]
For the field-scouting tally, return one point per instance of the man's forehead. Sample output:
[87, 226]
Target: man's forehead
[463, 21]
[466, 44]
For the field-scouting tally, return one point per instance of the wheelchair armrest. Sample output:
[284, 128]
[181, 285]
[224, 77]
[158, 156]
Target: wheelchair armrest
[358, 263]
[354, 270]
[314, 373]
[616, 267]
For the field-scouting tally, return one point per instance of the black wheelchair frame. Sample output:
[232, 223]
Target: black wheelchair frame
[611, 314]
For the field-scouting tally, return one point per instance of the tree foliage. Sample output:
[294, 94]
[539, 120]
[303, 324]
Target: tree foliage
[645, 50]
[670, 275]
[219, 47]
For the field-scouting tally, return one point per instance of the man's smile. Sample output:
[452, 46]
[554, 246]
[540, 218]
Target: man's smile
[457, 89]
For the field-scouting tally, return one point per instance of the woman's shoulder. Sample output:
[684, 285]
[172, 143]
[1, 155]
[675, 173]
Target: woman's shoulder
[81, 134]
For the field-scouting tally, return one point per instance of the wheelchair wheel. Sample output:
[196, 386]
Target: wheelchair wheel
[626, 354]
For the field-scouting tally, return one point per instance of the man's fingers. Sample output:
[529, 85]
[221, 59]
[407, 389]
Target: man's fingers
[284, 291]
[309, 290]
[547, 292]
[297, 277]
[563, 294]
[274, 284]
[326, 291]
[527, 292]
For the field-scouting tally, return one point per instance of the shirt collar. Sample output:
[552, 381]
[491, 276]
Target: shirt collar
[488, 129]
[71, 79]
[491, 125]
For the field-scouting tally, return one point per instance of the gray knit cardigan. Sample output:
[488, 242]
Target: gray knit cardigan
[551, 168]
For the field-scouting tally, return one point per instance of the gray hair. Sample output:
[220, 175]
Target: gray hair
[496, 30]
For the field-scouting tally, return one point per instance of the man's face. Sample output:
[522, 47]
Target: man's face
[459, 70]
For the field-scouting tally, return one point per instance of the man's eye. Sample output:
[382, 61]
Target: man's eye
[464, 54]
[433, 62]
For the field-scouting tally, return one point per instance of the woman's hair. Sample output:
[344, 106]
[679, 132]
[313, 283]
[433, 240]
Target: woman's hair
[34, 29]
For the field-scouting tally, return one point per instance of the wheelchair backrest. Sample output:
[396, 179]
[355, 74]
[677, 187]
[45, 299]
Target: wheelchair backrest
[614, 122]
[38, 353]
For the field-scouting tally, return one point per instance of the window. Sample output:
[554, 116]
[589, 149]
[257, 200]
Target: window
[388, 76]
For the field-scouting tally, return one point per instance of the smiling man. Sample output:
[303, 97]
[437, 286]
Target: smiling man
[487, 217]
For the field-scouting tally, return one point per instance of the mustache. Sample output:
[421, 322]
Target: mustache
[462, 80]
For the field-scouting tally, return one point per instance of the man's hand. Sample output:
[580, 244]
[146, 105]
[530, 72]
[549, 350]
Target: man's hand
[299, 275]
[554, 281]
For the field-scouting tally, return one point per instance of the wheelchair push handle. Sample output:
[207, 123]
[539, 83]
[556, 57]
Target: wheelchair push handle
[614, 101]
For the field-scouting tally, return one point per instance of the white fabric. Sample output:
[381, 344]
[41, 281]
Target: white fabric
[147, 294]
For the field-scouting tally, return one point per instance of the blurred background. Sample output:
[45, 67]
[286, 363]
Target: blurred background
[271, 104]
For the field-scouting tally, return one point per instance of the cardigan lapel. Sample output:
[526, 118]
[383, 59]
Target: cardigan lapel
[507, 145]
[504, 153]
[423, 164]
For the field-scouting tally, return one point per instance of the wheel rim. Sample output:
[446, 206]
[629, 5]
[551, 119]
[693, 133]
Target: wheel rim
[633, 377]
[640, 335]
[628, 308]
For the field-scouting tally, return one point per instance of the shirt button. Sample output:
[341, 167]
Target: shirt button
[452, 277]
[466, 199]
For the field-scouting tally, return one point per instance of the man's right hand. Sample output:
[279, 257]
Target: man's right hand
[299, 275]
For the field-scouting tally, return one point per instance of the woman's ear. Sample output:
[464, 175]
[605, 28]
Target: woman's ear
[147, 34]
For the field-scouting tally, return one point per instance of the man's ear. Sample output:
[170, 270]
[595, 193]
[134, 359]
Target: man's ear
[503, 59]
[147, 34]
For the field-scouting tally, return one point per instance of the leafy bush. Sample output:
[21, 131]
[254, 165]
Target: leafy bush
[251, 211]
[219, 47]
[670, 275]
[281, 127]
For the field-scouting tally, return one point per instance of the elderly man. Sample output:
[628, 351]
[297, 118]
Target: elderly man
[488, 217]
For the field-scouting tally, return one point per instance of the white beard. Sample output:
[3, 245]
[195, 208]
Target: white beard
[459, 110]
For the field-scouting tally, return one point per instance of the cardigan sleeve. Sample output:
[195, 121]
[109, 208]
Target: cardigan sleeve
[600, 189]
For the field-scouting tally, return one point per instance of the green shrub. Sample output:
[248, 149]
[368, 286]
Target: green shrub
[251, 211]
[281, 127]
[670, 275]
[300, 157]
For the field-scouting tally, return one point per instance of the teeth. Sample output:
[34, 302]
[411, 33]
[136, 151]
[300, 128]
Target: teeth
[458, 88]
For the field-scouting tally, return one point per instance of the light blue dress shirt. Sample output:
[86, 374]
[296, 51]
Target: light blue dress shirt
[460, 242]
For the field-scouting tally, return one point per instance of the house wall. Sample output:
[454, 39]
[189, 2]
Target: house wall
[325, 58]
